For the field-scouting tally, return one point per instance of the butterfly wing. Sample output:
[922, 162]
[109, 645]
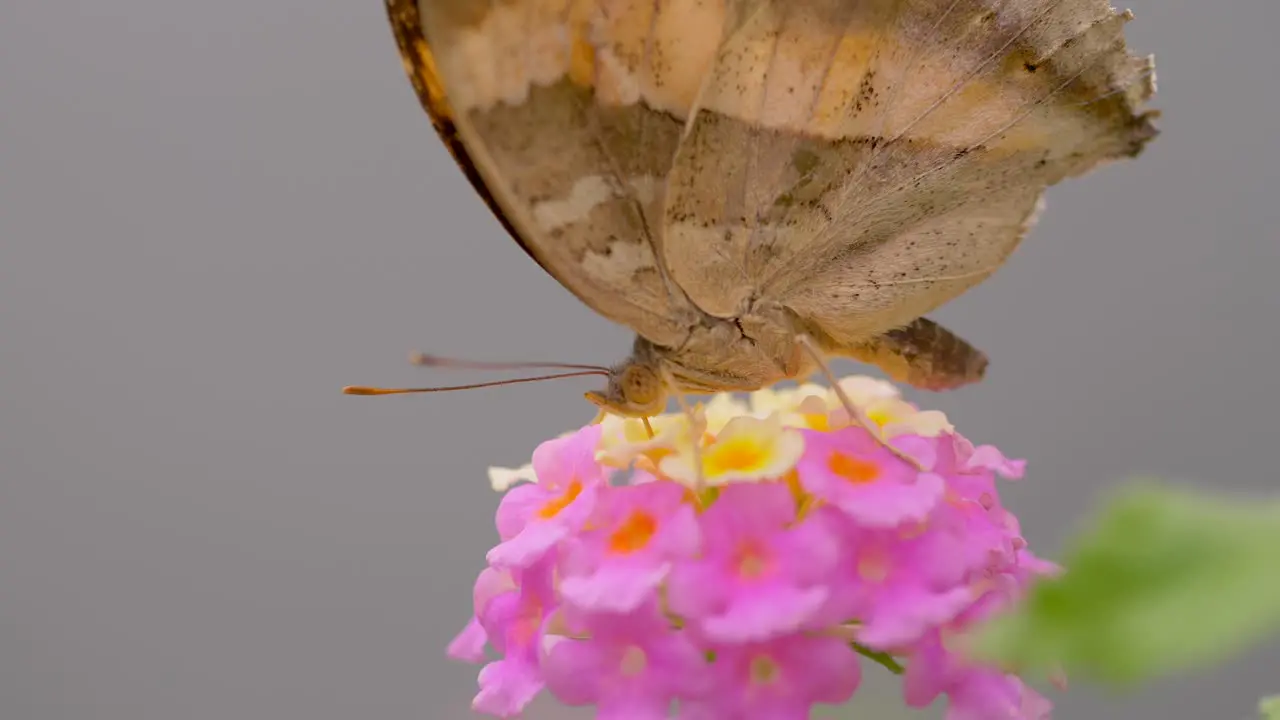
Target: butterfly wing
[859, 162]
[541, 102]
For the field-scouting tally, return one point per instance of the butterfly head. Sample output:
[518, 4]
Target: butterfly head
[635, 389]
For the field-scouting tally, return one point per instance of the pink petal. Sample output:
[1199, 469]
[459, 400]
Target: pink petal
[810, 550]
[616, 588]
[517, 506]
[926, 675]
[748, 509]
[572, 669]
[680, 535]
[506, 687]
[890, 504]
[469, 644]
[905, 613]
[557, 462]
[988, 457]
[991, 695]
[678, 665]
[490, 584]
[528, 547]
[921, 449]
[811, 669]
[1034, 705]
[697, 588]
[773, 611]
[831, 669]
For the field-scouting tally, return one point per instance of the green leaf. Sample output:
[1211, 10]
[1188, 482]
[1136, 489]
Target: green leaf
[1165, 580]
[1269, 708]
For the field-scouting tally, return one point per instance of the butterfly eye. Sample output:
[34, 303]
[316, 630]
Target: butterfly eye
[640, 385]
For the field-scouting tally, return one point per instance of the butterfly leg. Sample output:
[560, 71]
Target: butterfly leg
[856, 414]
[922, 354]
[696, 442]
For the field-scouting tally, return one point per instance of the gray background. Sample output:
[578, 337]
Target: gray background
[214, 215]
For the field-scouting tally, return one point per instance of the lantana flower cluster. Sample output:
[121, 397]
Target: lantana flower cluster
[743, 561]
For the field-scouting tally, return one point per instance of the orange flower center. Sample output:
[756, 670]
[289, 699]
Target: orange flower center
[764, 670]
[560, 502]
[752, 562]
[634, 533]
[527, 623]
[873, 565]
[634, 661]
[855, 470]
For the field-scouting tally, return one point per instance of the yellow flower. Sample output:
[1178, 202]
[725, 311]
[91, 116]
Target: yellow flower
[882, 404]
[767, 401]
[747, 449]
[899, 417]
[624, 441]
[863, 390]
[799, 407]
[723, 408]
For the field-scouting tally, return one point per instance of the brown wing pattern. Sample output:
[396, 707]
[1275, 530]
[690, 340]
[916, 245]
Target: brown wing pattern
[888, 154]
[406, 24]
[555, 104]
[853, 162]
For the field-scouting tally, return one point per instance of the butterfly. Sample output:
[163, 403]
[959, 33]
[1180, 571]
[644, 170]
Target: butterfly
[739, 180]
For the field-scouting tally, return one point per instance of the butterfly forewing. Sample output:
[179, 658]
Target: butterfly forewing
[572, 113]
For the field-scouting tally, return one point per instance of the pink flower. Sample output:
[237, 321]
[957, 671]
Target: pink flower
[629, 666]
[974, 693]
[853, 471]
[964, 540]
[898, 598]
[469, 644]
[759, 576]
[732, 589]
[532, 519]
[638, 531]
[780, 679]
[513, 622]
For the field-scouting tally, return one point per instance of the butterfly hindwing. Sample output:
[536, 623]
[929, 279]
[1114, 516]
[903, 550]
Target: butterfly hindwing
[889, 154]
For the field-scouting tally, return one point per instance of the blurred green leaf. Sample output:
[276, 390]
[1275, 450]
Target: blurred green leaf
[1165, 579]
[1269, 708]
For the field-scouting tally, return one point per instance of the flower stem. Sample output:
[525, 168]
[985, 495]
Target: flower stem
[880, 658]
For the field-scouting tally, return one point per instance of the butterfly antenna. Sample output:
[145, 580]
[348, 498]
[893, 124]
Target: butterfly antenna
[426, 360]
[364, 390]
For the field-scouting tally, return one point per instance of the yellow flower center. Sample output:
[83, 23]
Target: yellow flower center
[764, 670]
[735, 455]
[881, 416]
[873, 565]
[818, 421]
[752, 562]
[855, 470]
[634, 533]
[560, 502]
[634, 662]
